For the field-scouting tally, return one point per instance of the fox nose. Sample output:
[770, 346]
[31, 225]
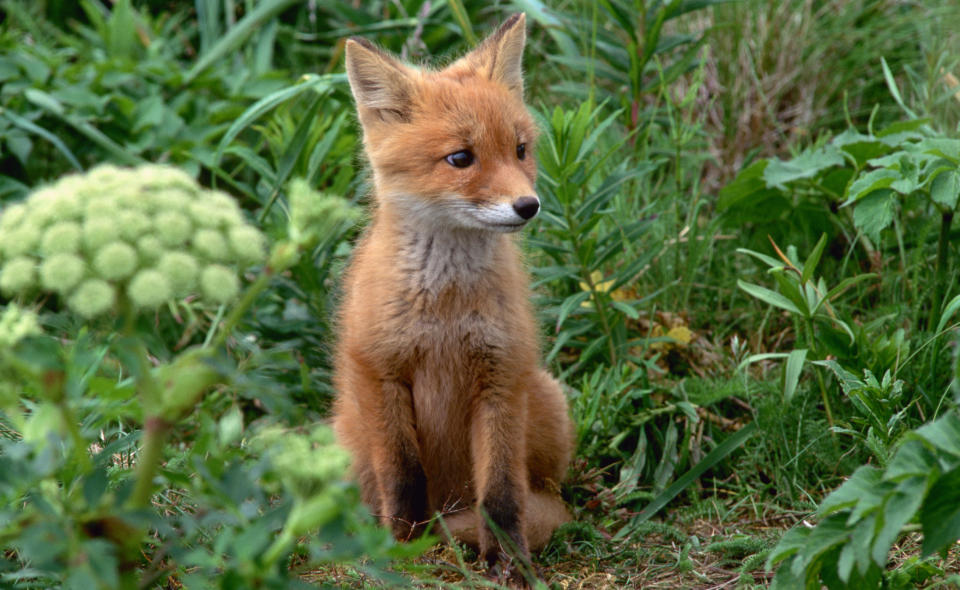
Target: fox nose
[526, 207]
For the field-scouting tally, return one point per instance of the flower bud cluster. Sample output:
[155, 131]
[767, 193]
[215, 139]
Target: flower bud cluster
[16, 324]
[306, 463]
[147, 234]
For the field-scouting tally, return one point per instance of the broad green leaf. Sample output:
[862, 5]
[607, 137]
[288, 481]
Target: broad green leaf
[874, 213]
[791, 543]
[806, 165]
[898, 127]
[843, 326]
[913, 458]
[943, 147]
[940, 514]
[791, 372]
[943, 433]
[121, 28]
[45, 101]
[845, 284]
[767, 296]
[768, 260]
[860, 541]
[790, 289]
[866, 184]
[569, 305]
[851, 136]
[94, 485]
[848, 381]
[624, 308]
[899, 508]
[748, 182]
[945, 188]
[830, 532]
[861, 487]
[32, 127]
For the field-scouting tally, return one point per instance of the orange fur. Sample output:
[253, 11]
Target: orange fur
[441, 397]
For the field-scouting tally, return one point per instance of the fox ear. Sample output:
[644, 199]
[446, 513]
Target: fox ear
[378, 81]
[500, 55]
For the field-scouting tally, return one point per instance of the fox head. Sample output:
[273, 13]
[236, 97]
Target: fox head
[454, 146]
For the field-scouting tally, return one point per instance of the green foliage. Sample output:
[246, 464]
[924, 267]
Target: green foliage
[579, 188]
[863, 518]
[897, 177]
[249, 495]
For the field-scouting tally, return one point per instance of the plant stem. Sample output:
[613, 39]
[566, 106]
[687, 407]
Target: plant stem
[602, 312]
[812, 345]
[826, 400]
[238, 311]
[943, 251]
[80, 445]
[155, 432]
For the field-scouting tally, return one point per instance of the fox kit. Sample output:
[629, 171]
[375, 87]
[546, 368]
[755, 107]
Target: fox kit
[441, 397]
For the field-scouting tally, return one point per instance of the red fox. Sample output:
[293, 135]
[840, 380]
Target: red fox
[441, 396]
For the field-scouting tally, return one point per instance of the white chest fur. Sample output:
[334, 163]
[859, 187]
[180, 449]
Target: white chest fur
[435, 258]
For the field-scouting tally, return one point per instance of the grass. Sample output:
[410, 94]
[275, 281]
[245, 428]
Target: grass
[662, 128]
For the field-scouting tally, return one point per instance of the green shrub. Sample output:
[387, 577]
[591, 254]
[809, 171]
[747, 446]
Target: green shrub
[118, 470]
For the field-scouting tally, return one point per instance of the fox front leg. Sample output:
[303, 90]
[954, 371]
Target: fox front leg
[399, 473]
[498, 448]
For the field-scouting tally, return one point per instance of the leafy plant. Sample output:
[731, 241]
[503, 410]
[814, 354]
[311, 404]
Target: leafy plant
[809, 301]
[580, 237]
[861, 520]
[247, 493]
[875, 179]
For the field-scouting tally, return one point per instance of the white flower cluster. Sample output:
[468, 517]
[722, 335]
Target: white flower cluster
[146, 234]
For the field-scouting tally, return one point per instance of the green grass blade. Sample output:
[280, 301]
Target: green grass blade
[463, 20]
[894, 90]
[769, 296]
[31, 127]
[271, 101]
[292, 153]
[791, 372]
[685, 480]
[948, 312]
[237, 35]
[811, 264]
[53, 106]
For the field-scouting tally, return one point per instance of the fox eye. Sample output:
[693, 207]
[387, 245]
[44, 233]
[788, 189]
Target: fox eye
[521, 151]
[460, 159]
